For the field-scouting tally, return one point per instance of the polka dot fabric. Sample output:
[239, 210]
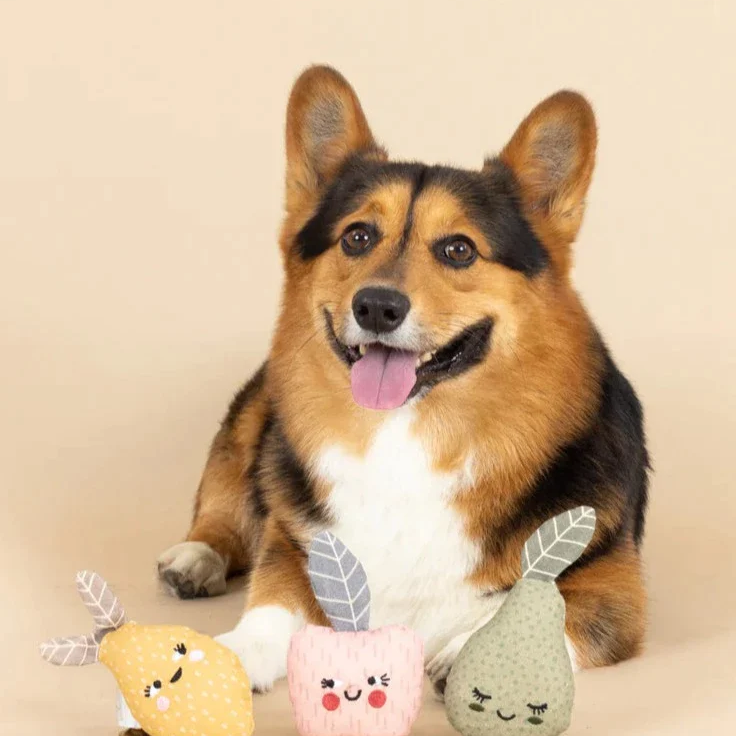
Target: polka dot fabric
[514, 675]
[177, 682]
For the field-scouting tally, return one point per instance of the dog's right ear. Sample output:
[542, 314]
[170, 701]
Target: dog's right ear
[325, 124]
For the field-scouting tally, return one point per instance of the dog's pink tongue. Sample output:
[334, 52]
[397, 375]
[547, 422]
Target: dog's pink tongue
[383, 378]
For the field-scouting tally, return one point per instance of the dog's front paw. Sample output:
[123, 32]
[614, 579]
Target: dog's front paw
[438, 668]
[261, 641]
[192, 570]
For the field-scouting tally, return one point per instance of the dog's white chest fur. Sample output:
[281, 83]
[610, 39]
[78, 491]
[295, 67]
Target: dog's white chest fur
[393, 511]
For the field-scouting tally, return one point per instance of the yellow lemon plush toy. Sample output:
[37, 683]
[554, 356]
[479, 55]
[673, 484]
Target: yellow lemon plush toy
[175, 681]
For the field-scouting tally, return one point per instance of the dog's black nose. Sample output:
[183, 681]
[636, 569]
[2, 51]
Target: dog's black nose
[380, 310]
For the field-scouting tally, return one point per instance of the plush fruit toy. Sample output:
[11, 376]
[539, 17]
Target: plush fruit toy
[175, 681]
[351, 681]
[514, 675]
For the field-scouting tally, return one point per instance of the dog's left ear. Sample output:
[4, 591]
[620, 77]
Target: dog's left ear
[552, 155]
[325, 124]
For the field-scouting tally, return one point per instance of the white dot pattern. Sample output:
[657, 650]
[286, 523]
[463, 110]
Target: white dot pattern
[224, 707]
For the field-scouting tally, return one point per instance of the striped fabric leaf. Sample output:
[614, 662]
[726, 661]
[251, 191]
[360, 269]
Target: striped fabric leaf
[557, 544]
[72, 651]
[101, 602]
[339, 583]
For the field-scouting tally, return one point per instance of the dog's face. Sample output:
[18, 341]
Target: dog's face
[405, 277]
[413, 267]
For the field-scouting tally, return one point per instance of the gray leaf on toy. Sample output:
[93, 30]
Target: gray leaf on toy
[101, 602]
[557, 544]
[339, 583]
[72, 651]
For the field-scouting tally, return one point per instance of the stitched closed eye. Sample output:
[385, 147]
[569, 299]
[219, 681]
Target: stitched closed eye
[479, 696]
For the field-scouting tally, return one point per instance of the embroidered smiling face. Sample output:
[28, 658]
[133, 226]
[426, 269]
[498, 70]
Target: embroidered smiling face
[533, 714]
[163, 703]
[367, 683]
[174, 678]
[514, 675]
[352, 693]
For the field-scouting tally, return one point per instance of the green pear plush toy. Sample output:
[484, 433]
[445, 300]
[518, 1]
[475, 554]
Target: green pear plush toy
[514, 675]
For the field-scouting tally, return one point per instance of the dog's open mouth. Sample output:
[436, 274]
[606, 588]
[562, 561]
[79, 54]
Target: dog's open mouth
[384, 377]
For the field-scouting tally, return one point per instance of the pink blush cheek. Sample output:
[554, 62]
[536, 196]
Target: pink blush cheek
[377, 699]
[163, 704]
[331, 701]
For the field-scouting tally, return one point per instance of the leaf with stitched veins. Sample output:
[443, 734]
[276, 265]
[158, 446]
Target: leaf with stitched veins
[101, 602]
[557, 544]
[108, 614]
[72, 651]
[339, 583]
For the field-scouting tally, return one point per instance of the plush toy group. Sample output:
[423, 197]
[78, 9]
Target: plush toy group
[513, 676]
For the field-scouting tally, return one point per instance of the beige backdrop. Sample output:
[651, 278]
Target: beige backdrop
[141, 163]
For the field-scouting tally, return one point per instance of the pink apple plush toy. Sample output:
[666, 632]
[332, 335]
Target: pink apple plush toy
[351, 681]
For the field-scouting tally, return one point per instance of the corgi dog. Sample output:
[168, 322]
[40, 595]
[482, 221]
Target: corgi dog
[435, 391]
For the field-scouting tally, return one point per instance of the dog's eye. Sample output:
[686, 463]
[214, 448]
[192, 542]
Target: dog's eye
[358, 239]
[328, 683]
[456, 252]
[537, 709]
[179, 651]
